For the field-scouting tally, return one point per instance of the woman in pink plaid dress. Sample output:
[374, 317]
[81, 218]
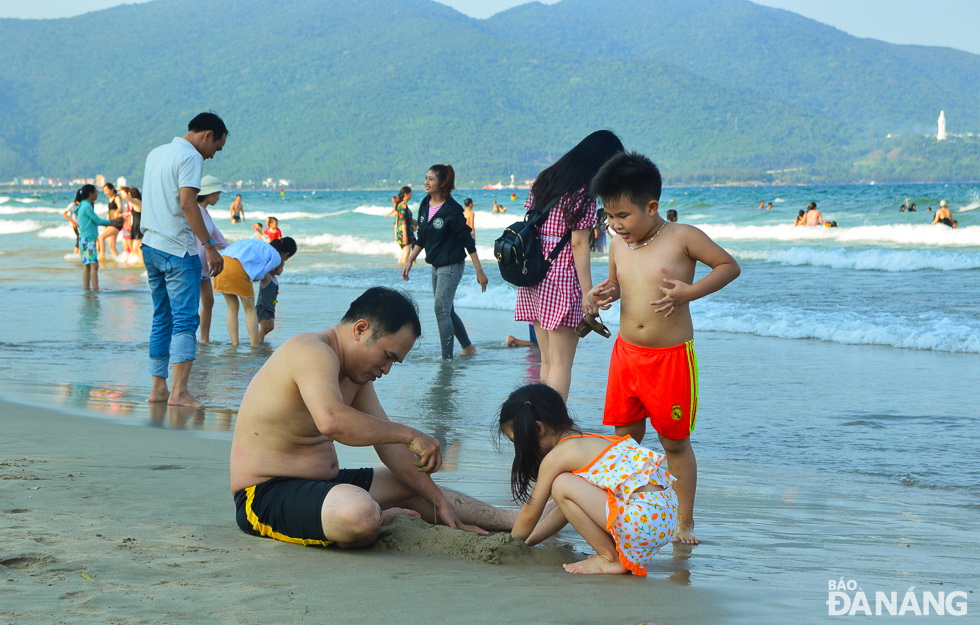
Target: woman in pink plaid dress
[556, 304]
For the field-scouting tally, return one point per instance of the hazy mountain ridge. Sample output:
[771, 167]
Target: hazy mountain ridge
[352, 93]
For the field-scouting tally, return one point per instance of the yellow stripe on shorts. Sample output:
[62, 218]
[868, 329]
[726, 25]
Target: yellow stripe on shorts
[692, 367]
[268, 532]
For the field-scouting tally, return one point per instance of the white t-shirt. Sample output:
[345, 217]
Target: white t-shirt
[168, 168]
[257, 257]
[220, 242]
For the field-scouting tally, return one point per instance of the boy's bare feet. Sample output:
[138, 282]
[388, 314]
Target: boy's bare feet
[469, 351]
[685, 534]
[184, 399]
[596, 565]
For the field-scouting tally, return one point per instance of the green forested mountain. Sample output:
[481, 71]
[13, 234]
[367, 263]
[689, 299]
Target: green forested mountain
[876, 87]
[356, 92]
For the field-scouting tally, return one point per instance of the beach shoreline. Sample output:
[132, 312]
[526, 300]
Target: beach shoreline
[114, 524]
[835, 435]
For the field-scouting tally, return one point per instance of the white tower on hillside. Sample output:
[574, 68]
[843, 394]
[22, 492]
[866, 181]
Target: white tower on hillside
[941, 133]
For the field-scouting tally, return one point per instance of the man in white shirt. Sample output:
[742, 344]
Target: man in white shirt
[170, 221]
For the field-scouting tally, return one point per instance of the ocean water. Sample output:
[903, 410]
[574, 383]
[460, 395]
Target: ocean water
[837, 431]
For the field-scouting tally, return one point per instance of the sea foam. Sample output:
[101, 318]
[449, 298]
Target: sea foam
[948, 333]
[900, 234]
[350, 244]
[890, 260]
[58, 232]
[18, 210]
[19, 227]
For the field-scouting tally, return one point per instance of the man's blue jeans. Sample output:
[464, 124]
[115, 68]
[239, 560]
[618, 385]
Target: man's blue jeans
[175, 284]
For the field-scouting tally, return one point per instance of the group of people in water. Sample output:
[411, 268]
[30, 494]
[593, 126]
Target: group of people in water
[123, 217]
[943, 216]
[124, 207]
[813, 217]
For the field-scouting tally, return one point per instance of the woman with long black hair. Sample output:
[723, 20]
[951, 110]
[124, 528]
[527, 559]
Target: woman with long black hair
[556, 304]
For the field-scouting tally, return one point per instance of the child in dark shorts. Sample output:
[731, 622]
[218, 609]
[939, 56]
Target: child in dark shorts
[265, 304]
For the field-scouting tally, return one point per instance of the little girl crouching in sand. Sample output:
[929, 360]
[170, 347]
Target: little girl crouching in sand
[613, 491]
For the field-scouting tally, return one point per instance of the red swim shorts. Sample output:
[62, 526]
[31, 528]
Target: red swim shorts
[659, 383]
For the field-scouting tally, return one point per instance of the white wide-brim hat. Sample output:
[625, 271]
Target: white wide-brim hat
[209, 185]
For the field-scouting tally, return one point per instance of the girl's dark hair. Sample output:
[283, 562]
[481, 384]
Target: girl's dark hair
[84, 192]
[406, 190]
[134, 192]
[447, 177]
[109, 184]
[285, 245]
[521, 412]
[575, 169]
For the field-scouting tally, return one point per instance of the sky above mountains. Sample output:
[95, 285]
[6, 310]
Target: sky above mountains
[950, 23]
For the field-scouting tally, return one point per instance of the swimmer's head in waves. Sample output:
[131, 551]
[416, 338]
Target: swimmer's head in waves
[385, 325]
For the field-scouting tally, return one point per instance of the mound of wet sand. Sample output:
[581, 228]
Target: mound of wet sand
[412, 535]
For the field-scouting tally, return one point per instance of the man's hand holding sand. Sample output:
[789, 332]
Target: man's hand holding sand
[317, 390]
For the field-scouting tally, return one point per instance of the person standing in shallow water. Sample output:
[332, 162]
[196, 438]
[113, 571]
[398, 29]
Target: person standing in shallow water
[88, 232]
[171, 219]
[446, 239]
[556, 304]
[653, 370]
[404, 230]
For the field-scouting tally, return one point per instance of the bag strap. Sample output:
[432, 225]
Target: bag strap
[540, 217]
[561, 243]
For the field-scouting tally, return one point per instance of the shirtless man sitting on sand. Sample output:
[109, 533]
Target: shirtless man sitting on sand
[318, 389]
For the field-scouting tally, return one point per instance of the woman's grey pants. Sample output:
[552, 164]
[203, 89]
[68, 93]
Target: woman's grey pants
[444, 282]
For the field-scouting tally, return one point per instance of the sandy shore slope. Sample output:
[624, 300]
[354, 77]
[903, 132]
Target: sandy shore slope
[104, 523]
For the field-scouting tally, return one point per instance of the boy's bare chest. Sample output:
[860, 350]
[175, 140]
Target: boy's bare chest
[643, 270]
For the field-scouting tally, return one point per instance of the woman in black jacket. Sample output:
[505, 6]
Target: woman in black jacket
[446, 239]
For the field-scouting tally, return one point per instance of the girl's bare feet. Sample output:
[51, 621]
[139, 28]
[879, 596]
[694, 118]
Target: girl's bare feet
[596, 565]
[685, 534]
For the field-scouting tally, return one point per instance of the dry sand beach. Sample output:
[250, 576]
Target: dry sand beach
[104, 523]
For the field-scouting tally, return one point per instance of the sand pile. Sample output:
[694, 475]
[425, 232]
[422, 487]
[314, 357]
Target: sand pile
[415, 536]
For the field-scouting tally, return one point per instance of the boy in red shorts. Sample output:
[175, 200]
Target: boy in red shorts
[653, 372]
